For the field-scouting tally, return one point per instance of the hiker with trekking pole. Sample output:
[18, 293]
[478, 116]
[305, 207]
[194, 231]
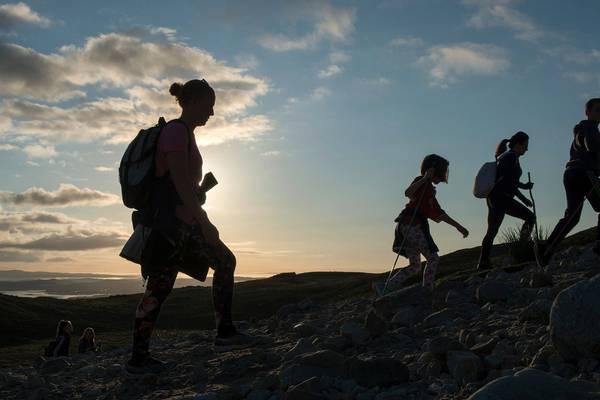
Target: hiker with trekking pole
[503, 176]
[580, 180]
[412, 236]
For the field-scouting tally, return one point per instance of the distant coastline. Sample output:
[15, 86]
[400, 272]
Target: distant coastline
[31, 284]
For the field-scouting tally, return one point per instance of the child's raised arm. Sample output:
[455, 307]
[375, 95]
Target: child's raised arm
[447, 219]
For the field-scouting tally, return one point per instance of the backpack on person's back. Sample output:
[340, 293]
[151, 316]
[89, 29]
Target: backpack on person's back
[136, 170]
[485, 180]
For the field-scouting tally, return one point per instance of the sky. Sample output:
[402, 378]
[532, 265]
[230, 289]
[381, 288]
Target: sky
[324, 112]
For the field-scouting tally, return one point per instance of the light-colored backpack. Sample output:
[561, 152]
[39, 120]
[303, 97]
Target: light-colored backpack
[485, 180]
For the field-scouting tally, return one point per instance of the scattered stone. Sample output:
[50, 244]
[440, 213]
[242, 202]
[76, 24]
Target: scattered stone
[538, 311]
[370, 372]
[406, 316]
[302, 346]
[357, 333]
[443, 317]
[304, 330]
[441, 345]
[375, 324]
[574, 322]
[540, 279]
[485, 347]
[307, 390]
[55, 365]
[464, 366]
[493, 291]
[412, 295]
[455, 297]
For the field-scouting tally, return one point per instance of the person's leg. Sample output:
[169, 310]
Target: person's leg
[577, 185]
[433, 259]
[159, 285]
[594, 200]
[411, 248]
[223, 263]
[494, 221]
[517, 210]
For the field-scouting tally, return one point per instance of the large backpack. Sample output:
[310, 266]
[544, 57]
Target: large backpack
[136, 171]
[485, 180]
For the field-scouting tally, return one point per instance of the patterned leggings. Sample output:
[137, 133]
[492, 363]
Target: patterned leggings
[160, 283]
[416, 244]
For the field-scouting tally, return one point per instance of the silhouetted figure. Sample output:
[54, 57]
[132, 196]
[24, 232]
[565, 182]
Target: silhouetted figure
[412, 235]
[59, 347]
[87, 341]
[177, 215]
[501, 200]
[580, 176]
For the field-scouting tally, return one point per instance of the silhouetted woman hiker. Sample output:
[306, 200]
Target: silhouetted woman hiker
[62, 341]
[501, 200]
[87, 341]
[179, 169]
[581, 174]
[412, 236]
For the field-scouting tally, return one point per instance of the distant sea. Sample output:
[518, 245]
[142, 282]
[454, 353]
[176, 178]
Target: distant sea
[83, 285]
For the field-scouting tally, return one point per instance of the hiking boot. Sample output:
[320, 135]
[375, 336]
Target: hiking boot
[234, 341]
[148, 365]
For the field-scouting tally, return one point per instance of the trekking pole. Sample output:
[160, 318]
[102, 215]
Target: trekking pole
[402, 243]
[536, 232]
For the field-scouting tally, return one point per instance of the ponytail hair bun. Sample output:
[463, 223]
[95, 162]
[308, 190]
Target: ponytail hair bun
[176, 89]
[196, 88]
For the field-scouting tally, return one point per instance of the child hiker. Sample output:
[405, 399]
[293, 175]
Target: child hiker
[412, 236]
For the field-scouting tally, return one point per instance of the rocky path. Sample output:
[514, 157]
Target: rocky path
[521, 335]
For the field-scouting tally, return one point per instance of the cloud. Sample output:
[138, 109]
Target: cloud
[18, 256]
[7, 147]
[446, 65]
[30, 74]
[39, 151]
[104, 169]
[141, 70]
[407, 41]
[338, 57]
[327, 23]
[330, 71]
[320, 93]
[12, 15]
[272, 153]
[59, 259]
[500, 13]
[380, 81]
[72, 241]
[66, 195]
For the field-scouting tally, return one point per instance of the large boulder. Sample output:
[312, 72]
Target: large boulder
[533, 384]
[575, 320]
[373, 372]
